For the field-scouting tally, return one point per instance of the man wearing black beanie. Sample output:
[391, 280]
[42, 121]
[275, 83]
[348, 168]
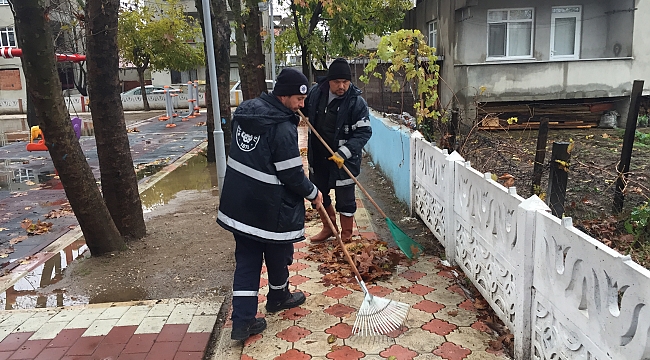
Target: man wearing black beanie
[340, 115]
[262, 201]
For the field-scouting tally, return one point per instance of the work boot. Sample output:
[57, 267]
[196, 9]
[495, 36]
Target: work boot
[293, 300]
[243, 332]
[326, 232]
[347, 222]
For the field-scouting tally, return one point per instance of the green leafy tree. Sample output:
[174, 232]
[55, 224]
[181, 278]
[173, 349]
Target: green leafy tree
[413, 63]
[159, 36]
[336, 27]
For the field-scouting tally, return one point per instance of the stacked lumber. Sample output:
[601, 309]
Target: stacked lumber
[561, 116]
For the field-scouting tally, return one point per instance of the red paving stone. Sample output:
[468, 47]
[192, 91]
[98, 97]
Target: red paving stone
[172, 332]
[439, 327]
[298, 279]
[456, 289]
[447, 274]
[184, 355]
[495, 352]
[294, 313]
[140, 343]
[398, 352]
[246, 357]
[261, 298]
[429, 306]
[30, 349]
[340, 330]
[467, 305]
[163, 350]
[117, 335]
[263, 269]
[140, 356]
[299, 245]
[292, 354]
[419, 289]
[252, 340]
[395, 333]
[86, 345]
[451, 351]
[263, 282]
[297, 266]
[108, 351]
[51, 354]
[293, 333]
[379, 291]
[6, 355]
[481, 326]
[13, 341]
[344, 353]
[299, 255]
[340, 310]
[412, 275]
[337, 293]
[193, 342]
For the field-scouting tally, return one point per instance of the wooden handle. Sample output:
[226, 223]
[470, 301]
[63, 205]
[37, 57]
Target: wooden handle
[311, 127]
[324, 215]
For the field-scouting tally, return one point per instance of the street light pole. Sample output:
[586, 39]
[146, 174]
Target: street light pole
[272, 26]
[219, 146]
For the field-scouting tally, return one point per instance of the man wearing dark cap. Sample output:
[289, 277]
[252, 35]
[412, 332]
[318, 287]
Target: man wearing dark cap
[262, 201]
[340, 115]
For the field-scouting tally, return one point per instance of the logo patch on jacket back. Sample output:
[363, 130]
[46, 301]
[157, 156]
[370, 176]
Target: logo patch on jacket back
[245, 141]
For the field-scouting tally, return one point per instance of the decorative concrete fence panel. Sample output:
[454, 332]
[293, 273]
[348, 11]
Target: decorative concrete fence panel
[12, 106]
[134, 102]
[75, 104]
[590, 302]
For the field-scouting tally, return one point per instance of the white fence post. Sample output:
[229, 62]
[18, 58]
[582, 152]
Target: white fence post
[525, 265]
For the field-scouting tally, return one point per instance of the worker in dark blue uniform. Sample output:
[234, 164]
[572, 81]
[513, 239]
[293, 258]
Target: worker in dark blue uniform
[340, 115]
[262, 201]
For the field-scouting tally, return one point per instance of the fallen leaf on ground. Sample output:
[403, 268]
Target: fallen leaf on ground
[374, 259]
[17, 239]
[331, 339]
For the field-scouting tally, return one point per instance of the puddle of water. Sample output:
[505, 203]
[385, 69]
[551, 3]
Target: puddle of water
[25, 293]
[119, 295]
[195, 174]
[18, 176]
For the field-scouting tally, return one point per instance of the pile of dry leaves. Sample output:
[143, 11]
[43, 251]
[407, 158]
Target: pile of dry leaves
[374, 259]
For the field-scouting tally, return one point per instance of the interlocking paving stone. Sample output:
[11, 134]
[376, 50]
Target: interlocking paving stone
[451, 351]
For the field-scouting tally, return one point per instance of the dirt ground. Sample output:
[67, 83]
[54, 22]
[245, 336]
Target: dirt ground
[591, 178]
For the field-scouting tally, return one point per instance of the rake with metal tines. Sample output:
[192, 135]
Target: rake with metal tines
[376, 316]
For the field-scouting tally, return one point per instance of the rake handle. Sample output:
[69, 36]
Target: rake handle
[324, 215]
[311, 127]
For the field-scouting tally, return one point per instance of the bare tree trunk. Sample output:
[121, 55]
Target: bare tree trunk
[35, 37]
[119, 182]
[255, 56]
[143, 90]
[240, 43]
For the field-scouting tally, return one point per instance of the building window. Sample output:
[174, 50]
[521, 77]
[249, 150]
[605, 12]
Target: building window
[7, 36]
[432, 39]
[565, 32]
[510, 33]
[4, 2]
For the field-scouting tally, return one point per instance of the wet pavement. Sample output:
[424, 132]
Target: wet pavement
[442, 323]
[29, 188]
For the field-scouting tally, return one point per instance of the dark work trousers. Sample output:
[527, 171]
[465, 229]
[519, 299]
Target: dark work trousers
[345, 200]
[249, 254]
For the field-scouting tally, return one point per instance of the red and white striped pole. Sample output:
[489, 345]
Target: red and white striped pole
[12, 52]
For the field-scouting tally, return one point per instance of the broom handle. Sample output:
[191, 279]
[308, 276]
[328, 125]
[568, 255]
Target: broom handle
[311, 127]
[324, 215]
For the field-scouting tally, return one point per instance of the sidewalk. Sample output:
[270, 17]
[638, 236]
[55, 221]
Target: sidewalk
[442, 322]
[172, 329]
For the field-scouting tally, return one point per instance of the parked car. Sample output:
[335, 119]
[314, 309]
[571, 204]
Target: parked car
[150, 89]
